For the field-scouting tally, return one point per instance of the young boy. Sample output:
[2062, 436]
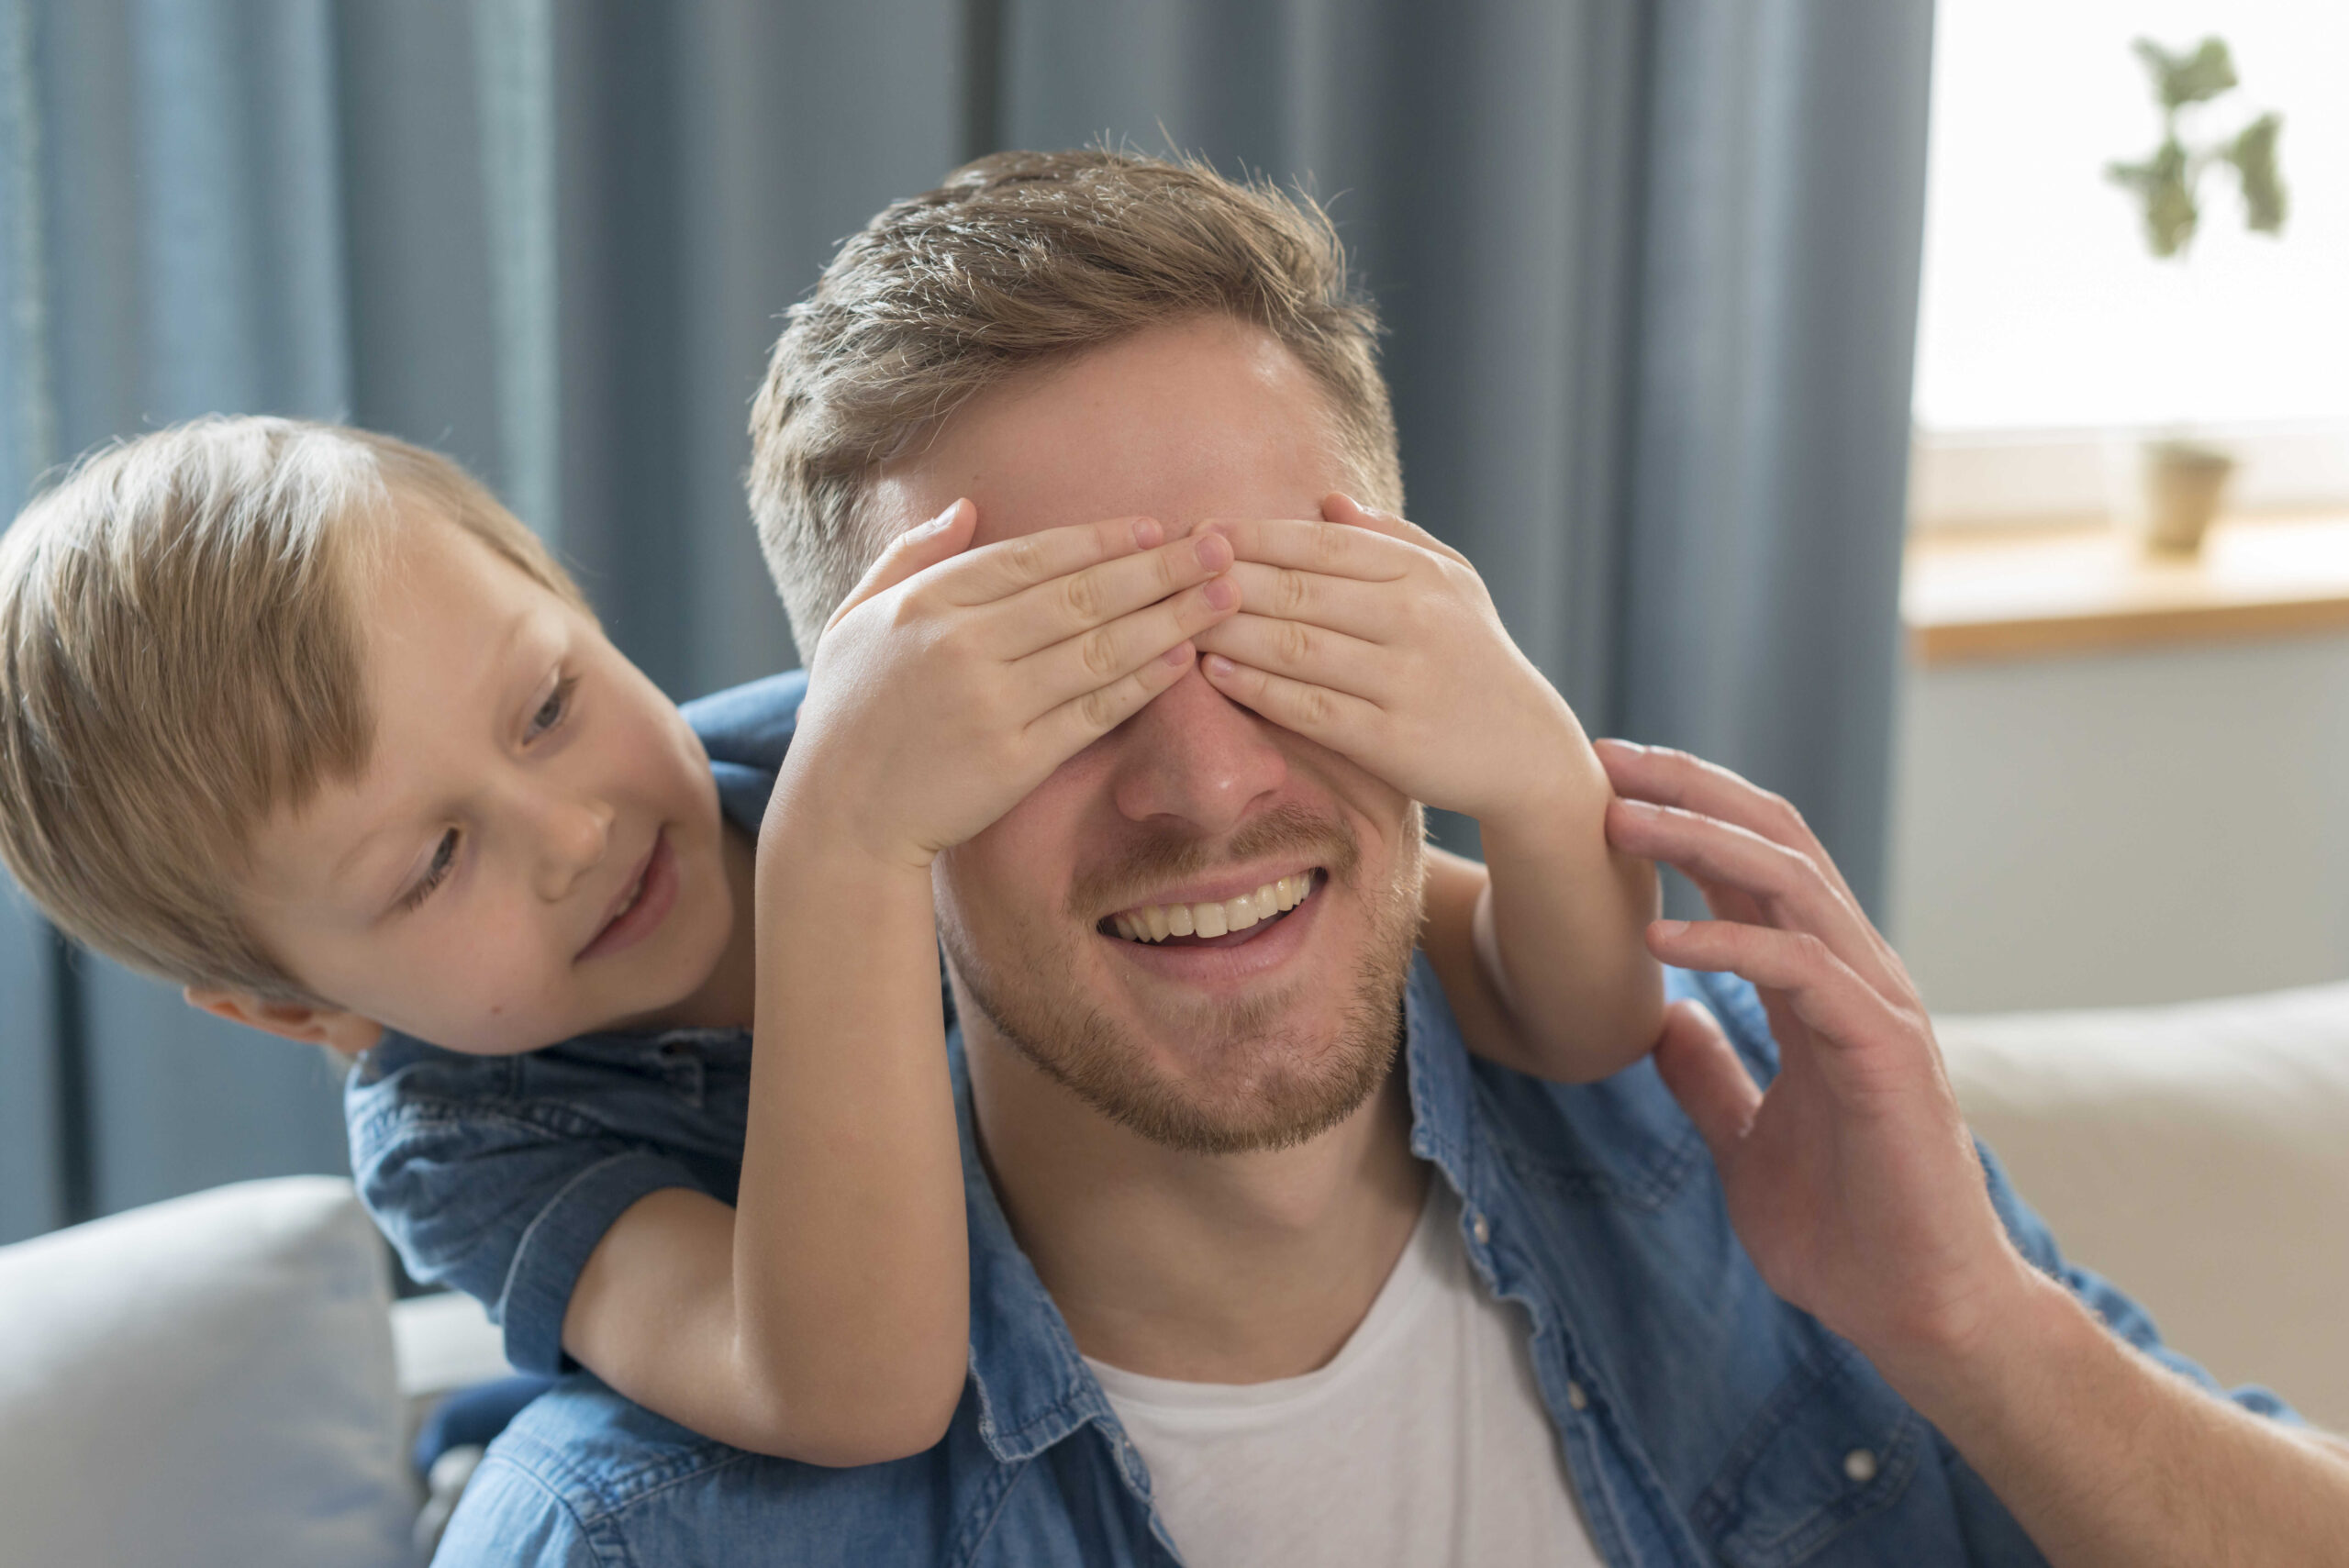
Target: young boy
[300, 718]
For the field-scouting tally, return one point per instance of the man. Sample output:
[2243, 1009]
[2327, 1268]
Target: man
[1794, 1324]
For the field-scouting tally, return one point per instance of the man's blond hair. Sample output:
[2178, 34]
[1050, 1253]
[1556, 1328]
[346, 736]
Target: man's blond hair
[181, 656]
[1016, 260]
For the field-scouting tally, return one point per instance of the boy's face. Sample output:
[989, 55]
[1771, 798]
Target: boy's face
[535, 849]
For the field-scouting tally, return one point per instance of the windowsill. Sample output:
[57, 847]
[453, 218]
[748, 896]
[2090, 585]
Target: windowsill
[2024, 594]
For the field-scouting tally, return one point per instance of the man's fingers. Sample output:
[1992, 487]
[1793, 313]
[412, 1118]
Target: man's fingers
[1314, 545]
[1788, 888]
[1345, 723]
[1299, 651]
[1840, 1010]
[1094, 597]
[1075, 666]
[1665, 777]
[1705, 1074]
[999, 569]
[918, 548]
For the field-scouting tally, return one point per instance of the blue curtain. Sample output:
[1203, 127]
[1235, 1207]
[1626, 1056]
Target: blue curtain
[1649, 270]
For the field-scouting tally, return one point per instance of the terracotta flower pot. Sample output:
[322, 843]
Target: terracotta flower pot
[2185, 486]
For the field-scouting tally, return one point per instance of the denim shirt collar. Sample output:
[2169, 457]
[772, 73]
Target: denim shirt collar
[1033, 1386]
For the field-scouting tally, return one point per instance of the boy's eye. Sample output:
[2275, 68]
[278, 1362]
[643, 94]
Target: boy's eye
[551, 711]
[443, 857]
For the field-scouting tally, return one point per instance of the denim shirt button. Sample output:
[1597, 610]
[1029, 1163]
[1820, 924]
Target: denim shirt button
[1576, 1399]
[1859, 1466]
[1477, 1228]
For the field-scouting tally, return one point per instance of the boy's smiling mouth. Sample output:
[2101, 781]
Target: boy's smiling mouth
[642, 905]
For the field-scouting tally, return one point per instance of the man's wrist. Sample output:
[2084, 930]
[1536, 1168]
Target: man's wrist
[2023, 1336]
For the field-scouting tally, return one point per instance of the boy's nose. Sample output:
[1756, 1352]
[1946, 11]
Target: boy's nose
[572, 837]
[1196, 756]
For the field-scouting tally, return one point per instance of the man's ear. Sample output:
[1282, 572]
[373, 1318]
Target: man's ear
[331, 1026]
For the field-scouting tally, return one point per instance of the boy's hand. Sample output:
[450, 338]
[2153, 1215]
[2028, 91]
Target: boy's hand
[1369, 635]
[954, 681]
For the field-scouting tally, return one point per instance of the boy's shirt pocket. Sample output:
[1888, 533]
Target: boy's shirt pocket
[498, 1176]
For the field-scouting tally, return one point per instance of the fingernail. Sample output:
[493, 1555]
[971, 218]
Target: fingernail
[1667, 929]
[1148, 533]
[1181, 653]
[1620, 744]
[1639, 807]
[1223, 594]
[944, 518]
[1214, 551]
[1219, 668]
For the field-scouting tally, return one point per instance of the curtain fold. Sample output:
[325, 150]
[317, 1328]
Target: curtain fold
[1649, 270]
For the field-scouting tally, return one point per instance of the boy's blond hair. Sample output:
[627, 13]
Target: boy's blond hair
[1018, 259]
[181, 656]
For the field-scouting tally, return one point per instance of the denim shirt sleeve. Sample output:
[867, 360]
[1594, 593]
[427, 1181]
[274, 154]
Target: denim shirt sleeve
[498, 1181]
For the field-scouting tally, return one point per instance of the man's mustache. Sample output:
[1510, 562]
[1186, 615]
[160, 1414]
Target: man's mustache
[1153, 860]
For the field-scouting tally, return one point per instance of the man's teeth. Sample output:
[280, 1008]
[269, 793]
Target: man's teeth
[1157, 922]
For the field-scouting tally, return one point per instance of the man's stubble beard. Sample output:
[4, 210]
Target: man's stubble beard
[1258, 1086]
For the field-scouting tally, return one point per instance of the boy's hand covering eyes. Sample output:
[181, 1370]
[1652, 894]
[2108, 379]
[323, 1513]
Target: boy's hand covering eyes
[954, 680]
[1367, 634]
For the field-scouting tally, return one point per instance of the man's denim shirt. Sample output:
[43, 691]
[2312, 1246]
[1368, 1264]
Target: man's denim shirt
[1703, 1419]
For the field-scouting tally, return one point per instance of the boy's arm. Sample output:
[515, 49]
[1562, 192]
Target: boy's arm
[1370, 636]
[824, 1319]
[1541, 949]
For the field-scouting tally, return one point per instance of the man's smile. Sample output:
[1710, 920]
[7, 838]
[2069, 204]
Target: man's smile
[1193, 919]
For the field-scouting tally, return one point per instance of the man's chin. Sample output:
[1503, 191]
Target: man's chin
[1211, 1075]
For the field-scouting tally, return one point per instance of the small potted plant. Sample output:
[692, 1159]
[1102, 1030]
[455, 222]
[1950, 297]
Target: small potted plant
[2186, 480]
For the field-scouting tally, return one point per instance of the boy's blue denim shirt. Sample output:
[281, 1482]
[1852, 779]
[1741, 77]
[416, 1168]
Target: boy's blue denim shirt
[1703, 1419]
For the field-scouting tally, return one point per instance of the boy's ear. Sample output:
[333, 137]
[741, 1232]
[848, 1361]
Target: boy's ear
[331, 1027]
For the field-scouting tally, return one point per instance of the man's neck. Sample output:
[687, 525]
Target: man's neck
[1234, 1268]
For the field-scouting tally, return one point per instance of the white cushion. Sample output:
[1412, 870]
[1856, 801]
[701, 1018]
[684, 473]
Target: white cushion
[442, 1343]
[2197, 1155]
[208, 1381]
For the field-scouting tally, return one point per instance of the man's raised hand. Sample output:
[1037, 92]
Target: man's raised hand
[954, 680]
[1852, 1180]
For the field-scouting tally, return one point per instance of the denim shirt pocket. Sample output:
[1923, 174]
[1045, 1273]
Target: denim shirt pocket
[1834, 1446]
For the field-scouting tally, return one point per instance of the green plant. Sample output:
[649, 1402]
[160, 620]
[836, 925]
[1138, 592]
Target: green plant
[2166, 183]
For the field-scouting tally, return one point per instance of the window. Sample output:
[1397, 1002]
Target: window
[2049, 341]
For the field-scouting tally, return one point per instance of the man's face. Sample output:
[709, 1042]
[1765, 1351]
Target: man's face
[1262, 1037]
[533, 850]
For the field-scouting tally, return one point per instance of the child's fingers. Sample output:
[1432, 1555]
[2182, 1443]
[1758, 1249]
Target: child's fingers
[1339, 507]
[918, 548]
[1364, 610]
[1313, 545]
[1054, 611]
[1086, 718]
[1302, 652]
[1096, 658]
[1339, 720]
[997, 571]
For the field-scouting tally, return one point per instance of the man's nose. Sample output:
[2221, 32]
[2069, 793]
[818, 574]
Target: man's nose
[1196, 756]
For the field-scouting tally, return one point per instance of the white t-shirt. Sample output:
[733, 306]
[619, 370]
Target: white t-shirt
[1423, 1441]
